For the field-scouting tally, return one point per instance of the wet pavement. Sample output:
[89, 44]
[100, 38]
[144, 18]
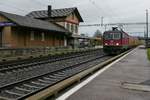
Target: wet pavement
[134, 68]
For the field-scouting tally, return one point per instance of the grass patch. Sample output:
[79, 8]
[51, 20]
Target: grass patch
[148, 53]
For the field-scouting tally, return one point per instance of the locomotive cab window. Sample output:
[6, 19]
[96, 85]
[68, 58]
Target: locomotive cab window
[112, 36]
[117, 36]
[108, 36]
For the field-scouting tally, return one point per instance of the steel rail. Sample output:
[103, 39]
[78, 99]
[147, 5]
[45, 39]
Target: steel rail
[55, 77]
[31, 63]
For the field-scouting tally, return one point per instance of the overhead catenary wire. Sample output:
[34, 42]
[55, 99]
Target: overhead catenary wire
[12, 6]
[39, 2]
[8, 5]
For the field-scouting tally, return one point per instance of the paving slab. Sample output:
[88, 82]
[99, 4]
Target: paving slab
[134, 68]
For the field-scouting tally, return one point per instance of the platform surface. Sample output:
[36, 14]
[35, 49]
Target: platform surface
[134, 68]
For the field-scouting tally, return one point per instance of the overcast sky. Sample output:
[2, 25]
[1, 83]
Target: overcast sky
[113, 11]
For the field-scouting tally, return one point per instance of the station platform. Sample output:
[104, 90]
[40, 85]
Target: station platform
[134, 68]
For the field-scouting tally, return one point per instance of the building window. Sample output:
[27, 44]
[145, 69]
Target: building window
[72, 28]
[37, 36]
[65, 24]
[73, 15]
[32, 35]
[76, 28]
[68, 26]
[43, 37]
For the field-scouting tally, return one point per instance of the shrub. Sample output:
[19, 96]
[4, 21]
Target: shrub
[148, 53]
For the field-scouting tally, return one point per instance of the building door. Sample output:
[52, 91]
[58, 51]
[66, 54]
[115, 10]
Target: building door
[24, 40]
[1, 36]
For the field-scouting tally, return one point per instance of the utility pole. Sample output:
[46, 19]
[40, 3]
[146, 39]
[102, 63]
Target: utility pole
[144, 32]
[102, 18]
[105, 27]
[146, 28]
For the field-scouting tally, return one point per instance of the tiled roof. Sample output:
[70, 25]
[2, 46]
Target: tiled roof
[55, 13]
[33, 23]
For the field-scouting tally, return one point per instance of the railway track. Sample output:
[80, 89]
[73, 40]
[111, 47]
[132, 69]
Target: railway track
[6, 68]
[61, 70]
[44, 58]
[26, 72]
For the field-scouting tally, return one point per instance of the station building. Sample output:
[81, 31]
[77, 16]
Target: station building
[69, 18]
[44, 28]
[22, 31]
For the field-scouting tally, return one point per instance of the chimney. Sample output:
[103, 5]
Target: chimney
[49, 10]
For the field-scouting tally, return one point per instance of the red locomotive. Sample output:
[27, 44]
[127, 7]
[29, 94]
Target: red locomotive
[117, 41]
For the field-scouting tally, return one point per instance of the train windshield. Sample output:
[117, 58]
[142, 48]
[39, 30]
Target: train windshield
[110, 36]
[117, 36]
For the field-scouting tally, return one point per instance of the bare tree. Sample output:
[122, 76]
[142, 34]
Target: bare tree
[98, 34]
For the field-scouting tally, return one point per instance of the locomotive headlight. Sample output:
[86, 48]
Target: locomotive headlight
[117, 44]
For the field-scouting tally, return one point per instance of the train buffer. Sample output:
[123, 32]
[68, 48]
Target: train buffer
[126, 79]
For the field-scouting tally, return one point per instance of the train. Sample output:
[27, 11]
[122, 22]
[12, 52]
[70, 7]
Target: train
[116, 41]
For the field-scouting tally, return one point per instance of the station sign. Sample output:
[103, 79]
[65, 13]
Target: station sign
[7, 24]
